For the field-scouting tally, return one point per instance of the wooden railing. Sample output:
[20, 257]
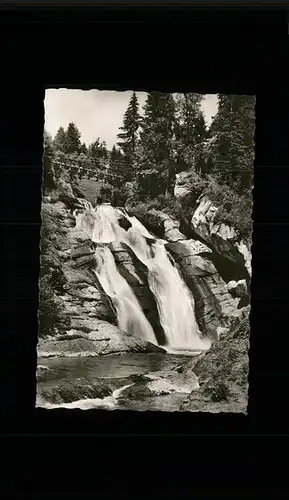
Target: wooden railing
[86, 169]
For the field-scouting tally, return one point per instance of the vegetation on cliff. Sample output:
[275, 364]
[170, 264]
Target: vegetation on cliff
[222, 374]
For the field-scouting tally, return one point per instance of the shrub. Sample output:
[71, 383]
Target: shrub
[218, 392]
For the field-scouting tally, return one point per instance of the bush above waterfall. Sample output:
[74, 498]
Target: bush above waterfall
[234, 209]
[165, 203]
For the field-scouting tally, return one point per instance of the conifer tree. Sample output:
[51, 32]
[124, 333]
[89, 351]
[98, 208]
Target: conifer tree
[156, 161]
[73, 143]
[232, 151]
[129, 135]
[83, 148]
[59, 142]
[117, 166]
[190, 132]
[48, 170]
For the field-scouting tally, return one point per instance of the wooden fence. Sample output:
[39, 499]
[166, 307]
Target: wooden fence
[85, 169]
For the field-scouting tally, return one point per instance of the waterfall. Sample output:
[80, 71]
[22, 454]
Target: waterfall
[174, 300]
[130, 316]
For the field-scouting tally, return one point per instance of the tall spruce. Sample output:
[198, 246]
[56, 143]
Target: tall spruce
[190, 132]
[48, 170]
[83, 148]
[98, 157]
[232, 150]
[59, 141]
[98, 152]
[129, 136]
[156, 163]
[73, 143]
[117, 166]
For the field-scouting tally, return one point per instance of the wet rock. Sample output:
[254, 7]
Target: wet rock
[58, 391]
[87, 248]
[161, 224]
[161, 383]
[92, 337]
[126, 264]
[238, 288]
[124, 222]
[72, 390]
[85, 260]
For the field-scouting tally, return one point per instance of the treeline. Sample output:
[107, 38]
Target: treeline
[170, 136]
[66, 147]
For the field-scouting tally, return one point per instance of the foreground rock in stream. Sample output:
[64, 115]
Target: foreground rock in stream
[222, 374]
[67, 391]
[161, 383]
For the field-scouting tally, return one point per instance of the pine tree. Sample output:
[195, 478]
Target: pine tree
[232, 151]
[156, 160]
[73, 143]
[129, 135]
[59, 142]
[83, 148]
[48, 170]
[190, 132]
[98, 155]
[117, 166]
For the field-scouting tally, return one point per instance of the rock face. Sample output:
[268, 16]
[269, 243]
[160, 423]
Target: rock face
[222, 374]
[214, 306]
[221, 237]
[182, 188]
[67, 261]
[201, 216]
[161, 224]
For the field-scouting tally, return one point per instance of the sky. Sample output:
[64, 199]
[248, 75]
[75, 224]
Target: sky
[97, 113]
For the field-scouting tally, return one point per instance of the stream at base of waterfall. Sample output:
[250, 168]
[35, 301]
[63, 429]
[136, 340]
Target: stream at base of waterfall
[65, 382]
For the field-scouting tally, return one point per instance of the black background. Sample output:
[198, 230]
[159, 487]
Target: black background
[143, 48]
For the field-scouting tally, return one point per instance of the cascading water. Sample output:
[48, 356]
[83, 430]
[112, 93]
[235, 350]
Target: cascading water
[130, 316]
[174, 300]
